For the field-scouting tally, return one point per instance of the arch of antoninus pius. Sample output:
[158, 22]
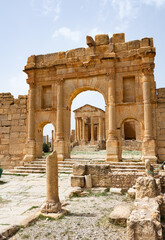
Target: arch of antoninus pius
[123, 72]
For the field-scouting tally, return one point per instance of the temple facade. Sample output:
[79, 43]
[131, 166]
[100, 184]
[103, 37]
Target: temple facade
[90, 126]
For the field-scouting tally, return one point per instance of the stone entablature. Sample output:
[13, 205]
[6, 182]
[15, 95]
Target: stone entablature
[89, 125]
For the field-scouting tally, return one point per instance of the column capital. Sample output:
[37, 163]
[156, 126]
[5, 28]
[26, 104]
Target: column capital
[60, 81]
[111, 75]
[147, 68]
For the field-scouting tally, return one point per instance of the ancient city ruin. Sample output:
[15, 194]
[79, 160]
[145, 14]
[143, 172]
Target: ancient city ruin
[123, 72]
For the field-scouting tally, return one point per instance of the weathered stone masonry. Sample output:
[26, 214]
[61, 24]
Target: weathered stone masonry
[123, 72]
[13, 129]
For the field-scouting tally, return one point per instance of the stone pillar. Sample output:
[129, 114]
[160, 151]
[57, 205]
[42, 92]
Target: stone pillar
[60, 132]
[31, 144]
[100, 129]
[52, 204]
[80, 129]
[76, 129]
[83, 131]
[112, 144]
[92, 132]
[52, 141]
[148, 146]
[60, 136]
[47, 139]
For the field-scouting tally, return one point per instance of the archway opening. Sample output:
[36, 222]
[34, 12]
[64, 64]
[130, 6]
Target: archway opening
[88, 124]
[131, 139]
[45, 139]
[48, 137]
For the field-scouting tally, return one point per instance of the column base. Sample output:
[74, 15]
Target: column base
[92, 142]
[30, 150]
[112, 151]
[149, 150]
[51, 207]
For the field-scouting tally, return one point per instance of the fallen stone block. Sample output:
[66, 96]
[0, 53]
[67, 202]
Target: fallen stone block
[132, 192]
[77, 181]
[146, 187]
[120, 214]
[116, 190]
[79, 170]
[144, 221]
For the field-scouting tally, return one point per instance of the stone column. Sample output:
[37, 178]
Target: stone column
[92, 131]
[83, 131]
[148, 146]
[100, 129]
[76, 129]
[52, 204]
[31, 144]
[52, 141]
[112, 144]
[80, 129]
[147, 107]
[60, 136]
[47, 139]
[60, 147]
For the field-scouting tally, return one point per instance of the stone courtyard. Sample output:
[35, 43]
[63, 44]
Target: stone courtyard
[22, 196]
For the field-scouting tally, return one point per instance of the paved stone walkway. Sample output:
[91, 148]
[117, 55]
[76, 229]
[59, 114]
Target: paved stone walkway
[21, 193]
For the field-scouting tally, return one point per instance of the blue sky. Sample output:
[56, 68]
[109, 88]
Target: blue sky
[30, 27]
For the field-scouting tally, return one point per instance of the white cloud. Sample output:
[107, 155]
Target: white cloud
[47, 7]
[67, 33]
[158, 3]
[126, 8]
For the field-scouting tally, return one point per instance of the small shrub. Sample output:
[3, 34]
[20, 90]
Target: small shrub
[45, 147]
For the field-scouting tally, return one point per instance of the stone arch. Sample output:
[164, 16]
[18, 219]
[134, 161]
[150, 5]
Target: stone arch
[132, 119]
[77, 91]
[74, 94]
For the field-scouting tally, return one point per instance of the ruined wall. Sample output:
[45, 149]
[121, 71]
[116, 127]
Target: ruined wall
[13, 129]
[161, 124]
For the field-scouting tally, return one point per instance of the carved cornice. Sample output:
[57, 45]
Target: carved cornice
[31, 78]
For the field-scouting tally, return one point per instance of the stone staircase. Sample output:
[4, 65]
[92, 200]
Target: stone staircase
[39, 166]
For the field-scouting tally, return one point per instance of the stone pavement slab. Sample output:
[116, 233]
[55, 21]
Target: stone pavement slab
[20, 194]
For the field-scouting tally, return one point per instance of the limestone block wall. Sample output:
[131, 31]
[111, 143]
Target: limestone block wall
[161, 124]
[13, 129]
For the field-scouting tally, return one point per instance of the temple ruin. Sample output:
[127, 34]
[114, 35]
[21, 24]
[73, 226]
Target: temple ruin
[89, 125]
[123, 72]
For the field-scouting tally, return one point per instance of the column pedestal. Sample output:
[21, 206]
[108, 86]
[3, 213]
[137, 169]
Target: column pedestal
[149, 150]
[112, 149]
